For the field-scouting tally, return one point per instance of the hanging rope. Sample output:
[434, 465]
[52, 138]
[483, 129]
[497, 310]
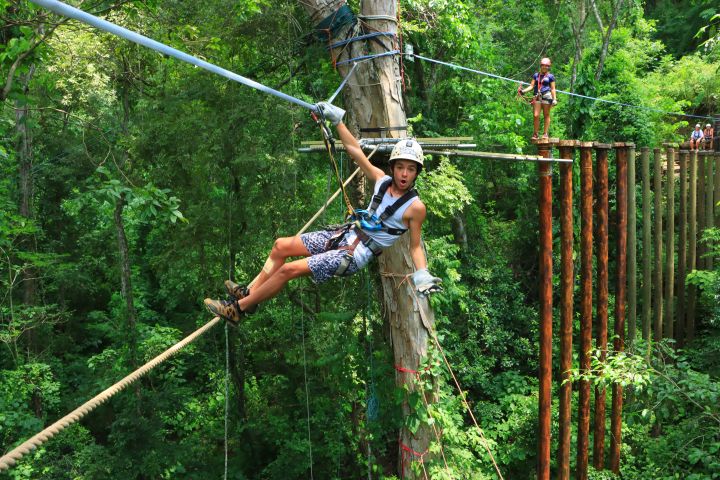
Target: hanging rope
[305, 377]
[331, 151]
[334, 196]
[307, 392]
[11, 458]
[227, 396]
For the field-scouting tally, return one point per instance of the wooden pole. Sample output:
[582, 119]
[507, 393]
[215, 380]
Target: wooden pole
[545, 373]
[692, 247]
[658, 275]
[647, 253]
[601, 154]
[621, 202]
[567, 150]
[716, 200]
[682, 250]
[586, 251]
[669, 241]
[699, 260]
[709, 207]
[631, 247]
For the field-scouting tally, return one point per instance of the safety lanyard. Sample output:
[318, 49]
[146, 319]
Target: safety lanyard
[330, 147]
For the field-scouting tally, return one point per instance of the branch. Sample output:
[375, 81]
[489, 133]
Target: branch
[293, 298]
[11, 74]
[597, 15]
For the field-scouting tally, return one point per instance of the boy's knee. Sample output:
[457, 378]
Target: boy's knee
[279, 247]
[290, 270]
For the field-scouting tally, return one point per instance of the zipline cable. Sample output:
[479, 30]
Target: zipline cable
[10, 459]
[77, 14]
[508, 79]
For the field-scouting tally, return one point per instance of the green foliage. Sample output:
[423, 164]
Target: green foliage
[443, 190]
[112, 124]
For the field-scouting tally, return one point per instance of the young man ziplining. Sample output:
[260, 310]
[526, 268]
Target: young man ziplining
[394, 210]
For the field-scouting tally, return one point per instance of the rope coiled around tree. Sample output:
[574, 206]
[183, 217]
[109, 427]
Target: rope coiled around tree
[8, 460]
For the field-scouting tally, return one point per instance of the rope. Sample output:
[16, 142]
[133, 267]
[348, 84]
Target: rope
[330, 148]
[507, 79]
[361, 37]
[389, 18]
[307, 393]
[368, 57]
[227, 396]
[10, 459]
[342, 84]
[334, 196]
[305, 377]
[71, 12]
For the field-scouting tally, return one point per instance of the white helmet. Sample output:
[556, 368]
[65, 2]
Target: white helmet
[697, 125]
[407, 149]
[708, 126]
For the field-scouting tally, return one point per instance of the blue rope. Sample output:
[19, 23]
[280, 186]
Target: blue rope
[368, 57]
[361, 37]
[71, 12]
[500, 77]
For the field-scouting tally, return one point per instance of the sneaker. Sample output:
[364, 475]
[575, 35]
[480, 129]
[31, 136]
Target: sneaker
[227, 309]
[545, 136]
[534, 137]
[235, 290]
[239, 292]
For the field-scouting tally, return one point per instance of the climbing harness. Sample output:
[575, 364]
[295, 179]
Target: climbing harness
[369, 221]
[363, 221]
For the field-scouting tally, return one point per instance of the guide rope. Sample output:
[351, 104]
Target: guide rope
[587, 97]
[10, 459]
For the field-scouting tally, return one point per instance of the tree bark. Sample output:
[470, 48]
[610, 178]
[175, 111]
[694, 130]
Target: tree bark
[578, 28]
[373, 98]
[606, 35]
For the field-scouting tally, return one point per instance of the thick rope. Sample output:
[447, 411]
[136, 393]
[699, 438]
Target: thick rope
[10, 459]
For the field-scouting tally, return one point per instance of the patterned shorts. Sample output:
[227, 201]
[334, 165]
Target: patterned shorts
[323, 263]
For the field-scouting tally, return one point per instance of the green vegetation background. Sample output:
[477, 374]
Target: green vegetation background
[209, 175]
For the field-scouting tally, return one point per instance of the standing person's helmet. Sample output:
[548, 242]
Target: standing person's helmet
[697, 125]
[545, 61]
[708, 126]
[408, 149]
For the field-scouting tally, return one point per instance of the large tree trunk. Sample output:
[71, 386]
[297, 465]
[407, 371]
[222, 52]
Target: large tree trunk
[123, 249]
[373, 98]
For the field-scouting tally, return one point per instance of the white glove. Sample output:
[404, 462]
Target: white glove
[331, 112]
[425, 283]
[554, 102]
